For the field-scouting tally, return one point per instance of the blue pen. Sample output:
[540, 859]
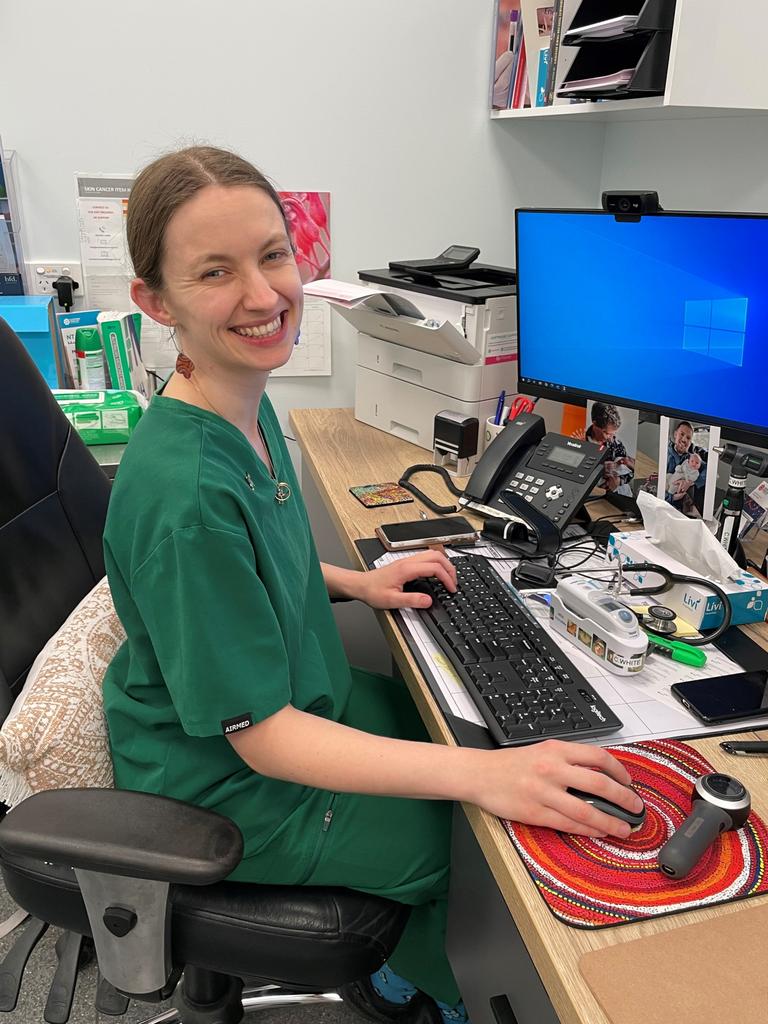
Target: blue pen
[499, 408]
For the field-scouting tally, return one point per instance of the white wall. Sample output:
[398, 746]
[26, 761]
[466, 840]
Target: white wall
[384, 105]
[716, 163]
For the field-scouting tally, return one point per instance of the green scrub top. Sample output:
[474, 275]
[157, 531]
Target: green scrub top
[228, 620]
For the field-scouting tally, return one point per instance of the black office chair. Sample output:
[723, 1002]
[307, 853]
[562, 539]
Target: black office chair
[142, 875]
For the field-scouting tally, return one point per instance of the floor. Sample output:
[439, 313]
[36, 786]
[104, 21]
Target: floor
[42, 965]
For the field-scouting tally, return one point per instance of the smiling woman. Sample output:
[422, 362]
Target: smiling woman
[233, 690]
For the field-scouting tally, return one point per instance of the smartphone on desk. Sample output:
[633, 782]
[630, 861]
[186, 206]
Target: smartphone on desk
[726, 698]
[422, 532]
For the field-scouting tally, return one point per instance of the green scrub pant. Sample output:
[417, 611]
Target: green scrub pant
[395, 847]
[389, 846]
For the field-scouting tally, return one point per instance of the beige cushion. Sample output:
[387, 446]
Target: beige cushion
[56, 735]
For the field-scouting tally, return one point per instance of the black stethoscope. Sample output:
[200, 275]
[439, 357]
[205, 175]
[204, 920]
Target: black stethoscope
[663, 618]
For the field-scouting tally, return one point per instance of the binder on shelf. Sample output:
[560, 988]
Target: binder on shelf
[561, 56]
[632, 67]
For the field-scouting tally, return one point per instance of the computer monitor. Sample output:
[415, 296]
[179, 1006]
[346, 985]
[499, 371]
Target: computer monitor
[667, 313]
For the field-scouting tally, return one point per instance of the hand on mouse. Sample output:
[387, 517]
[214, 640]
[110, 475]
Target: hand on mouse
[532, 788]
[384, 587]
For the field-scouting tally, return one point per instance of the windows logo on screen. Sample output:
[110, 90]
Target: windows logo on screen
[716, 328]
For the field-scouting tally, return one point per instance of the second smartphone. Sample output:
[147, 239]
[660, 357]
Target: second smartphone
[422, 532]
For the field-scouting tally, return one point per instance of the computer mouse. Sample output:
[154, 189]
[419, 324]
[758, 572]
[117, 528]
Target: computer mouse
[419, 586]
[635, 820]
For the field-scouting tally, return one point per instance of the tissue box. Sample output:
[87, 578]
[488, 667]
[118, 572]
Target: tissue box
[748, 594]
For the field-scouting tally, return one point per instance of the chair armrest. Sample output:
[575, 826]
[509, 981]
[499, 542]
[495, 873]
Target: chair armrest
[122, 832]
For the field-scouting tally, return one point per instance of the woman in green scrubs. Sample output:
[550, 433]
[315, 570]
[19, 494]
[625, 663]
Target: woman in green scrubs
[232, 690]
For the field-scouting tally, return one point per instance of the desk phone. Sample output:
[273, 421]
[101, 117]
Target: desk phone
[529, 474]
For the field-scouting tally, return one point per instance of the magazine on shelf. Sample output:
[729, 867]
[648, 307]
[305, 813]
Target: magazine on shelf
[537, 34]
[507, 33]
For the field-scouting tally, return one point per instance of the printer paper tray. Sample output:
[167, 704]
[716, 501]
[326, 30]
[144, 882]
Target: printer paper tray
[438, 338]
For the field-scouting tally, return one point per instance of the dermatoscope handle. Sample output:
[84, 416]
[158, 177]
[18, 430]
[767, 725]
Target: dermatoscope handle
[683, 850]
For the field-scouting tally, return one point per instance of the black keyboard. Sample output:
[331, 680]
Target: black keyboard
[524, 686]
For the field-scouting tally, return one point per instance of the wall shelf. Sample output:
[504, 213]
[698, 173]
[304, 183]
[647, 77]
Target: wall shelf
[714, 70]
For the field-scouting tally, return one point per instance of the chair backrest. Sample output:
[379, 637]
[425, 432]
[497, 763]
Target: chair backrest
[53, 503]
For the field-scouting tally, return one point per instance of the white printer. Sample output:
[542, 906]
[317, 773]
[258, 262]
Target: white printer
[433, 340]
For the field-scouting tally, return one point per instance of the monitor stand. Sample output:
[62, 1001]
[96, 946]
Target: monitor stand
[710, 486]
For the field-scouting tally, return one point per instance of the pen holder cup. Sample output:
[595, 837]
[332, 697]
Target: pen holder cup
[490, 431]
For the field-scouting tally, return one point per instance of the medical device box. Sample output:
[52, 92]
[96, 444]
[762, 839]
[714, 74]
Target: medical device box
[747, 594]
[120, 338]
[102, 417]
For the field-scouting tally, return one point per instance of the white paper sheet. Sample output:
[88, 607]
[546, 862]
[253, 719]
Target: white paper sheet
[644, 703]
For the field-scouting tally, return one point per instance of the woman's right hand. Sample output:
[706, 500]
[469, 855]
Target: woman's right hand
[528, 784]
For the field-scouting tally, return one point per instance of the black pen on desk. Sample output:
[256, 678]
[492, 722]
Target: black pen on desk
[745, 747]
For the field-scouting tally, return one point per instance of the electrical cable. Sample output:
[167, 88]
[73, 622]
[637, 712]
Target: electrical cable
[441, 510]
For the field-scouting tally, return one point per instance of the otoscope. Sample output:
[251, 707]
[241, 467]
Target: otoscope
[720, 802]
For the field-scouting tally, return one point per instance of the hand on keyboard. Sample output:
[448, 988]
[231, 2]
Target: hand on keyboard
[397, 585]
[529, 785]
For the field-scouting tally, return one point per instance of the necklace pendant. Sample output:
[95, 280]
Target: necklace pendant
[282, 493]
[249, 481]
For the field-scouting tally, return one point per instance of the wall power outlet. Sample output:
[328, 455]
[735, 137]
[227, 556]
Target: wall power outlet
[42, 273]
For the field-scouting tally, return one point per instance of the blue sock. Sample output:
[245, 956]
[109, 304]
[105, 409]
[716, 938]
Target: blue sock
[391, 986]
[453, 1014]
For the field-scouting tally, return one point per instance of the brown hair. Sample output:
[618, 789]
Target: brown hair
[169, 182]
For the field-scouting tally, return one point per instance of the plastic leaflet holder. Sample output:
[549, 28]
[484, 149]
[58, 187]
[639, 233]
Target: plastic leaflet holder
[424, 345]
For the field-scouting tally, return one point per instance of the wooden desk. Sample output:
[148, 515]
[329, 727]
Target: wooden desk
[340, 453]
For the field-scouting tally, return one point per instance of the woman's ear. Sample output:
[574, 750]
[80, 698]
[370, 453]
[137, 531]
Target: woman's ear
[150, 302]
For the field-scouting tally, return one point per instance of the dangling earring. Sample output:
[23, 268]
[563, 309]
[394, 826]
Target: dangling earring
[298, 338]
[184, 365]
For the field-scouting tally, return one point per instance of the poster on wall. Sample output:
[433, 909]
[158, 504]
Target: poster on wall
[308, 216]
[102, 201]
[102, 206]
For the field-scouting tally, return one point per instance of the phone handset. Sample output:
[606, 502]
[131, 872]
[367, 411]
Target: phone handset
[522, 433]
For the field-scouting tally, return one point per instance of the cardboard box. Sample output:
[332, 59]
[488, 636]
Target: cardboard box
[120, 339]
[748, 595]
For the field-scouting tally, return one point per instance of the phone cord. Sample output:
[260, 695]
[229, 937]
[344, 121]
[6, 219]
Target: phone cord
[441, 510]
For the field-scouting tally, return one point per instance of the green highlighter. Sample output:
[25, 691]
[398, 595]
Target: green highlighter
[677, 651]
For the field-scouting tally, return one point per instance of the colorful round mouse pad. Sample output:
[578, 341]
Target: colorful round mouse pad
[592, 883]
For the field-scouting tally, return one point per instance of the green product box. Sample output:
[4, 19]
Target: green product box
[102, 417]
[120, 338]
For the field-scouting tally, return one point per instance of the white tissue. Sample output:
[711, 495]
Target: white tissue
[690, 541]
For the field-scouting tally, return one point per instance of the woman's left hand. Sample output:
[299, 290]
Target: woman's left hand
[383, 588]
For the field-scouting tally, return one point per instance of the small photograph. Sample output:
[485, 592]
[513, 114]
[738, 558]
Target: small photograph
[585, 637]
[686, 469]
[571, 627]
[598, 647]
[544, 16]
[614, 430]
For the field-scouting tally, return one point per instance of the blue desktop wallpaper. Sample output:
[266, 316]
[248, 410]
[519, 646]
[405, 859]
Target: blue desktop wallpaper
[669, 311]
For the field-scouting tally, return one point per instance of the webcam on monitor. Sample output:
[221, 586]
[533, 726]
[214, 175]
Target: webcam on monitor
[631, 203]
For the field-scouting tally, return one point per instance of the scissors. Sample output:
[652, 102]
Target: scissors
[521, 403]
